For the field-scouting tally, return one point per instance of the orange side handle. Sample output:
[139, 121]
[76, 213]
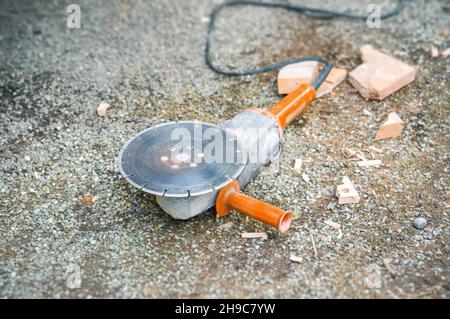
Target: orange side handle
[231, 198]
[292, 105]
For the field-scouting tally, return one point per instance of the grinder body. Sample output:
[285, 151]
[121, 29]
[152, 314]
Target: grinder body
[260, 133]
[260, 139]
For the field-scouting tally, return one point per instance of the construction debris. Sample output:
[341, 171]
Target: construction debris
[367, 112]
[298, 164]
[391, 127]
[434, 52]
[332, 224]
[227, 225]
[375, 149]
[88, 199]
[360, 156]
[413, 107]
[101, 109]
[347, 193]
[380, 75]
[296, 259]
[305, 177]
[292, 75]
[446, 53]
[254, 235]
[348, 152]
[369, 163]
[334, 78]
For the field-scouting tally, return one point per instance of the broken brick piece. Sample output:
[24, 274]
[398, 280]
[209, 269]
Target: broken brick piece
[446, 53]
[298, 164]
[88, 199]
[305, 177]
[292, 75]
[347, 193]
[296, 259]
[101, 109]
[391, 127]
[351, 198]
[334, 78]
[380, 75]
[434, 52]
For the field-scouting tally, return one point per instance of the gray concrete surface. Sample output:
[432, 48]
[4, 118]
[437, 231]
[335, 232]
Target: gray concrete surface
[145, 58]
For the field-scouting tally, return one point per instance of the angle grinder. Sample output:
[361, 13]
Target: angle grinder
[192, 166]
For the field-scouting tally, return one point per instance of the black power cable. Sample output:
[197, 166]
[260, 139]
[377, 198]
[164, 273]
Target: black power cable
[313, 13]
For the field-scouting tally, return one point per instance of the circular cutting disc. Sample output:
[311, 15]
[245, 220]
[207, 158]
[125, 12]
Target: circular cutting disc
[181, 159]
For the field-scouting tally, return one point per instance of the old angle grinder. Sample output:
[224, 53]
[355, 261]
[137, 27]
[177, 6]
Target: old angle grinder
[192, 166]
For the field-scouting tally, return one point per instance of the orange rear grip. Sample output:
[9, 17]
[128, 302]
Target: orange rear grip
[230, 198]
[293, 104]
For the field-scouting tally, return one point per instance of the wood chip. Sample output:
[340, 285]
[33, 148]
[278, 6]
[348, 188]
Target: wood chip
[254, 235]
[333, 224]
[369, 163]
[296, 259]
[101, 109]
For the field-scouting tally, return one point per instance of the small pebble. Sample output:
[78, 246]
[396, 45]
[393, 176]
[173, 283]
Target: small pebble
[420, 223]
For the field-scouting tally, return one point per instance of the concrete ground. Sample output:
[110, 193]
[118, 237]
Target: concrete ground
[145, 58]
